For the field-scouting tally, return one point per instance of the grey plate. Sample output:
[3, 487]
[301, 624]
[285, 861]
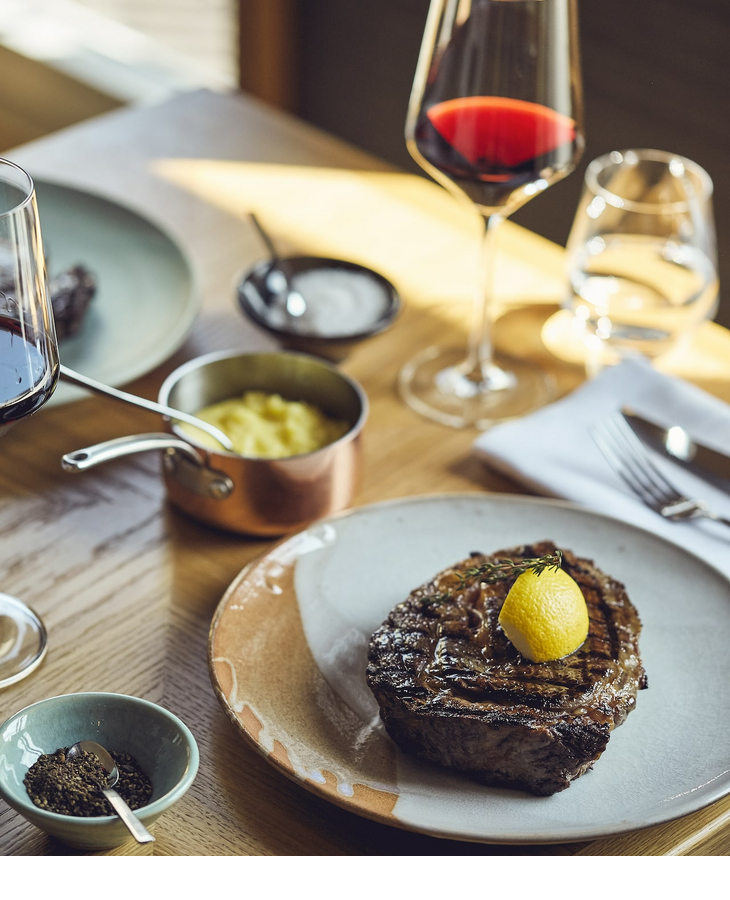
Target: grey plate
[671, 756]
[146, 300]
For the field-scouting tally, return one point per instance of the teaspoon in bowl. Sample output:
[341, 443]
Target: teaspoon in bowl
[295, 305]
[136, 828]
[97, 387]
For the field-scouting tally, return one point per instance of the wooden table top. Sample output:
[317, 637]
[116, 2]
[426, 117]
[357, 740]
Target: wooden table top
[126, 584]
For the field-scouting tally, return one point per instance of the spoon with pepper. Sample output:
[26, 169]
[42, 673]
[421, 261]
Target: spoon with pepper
[137, 829]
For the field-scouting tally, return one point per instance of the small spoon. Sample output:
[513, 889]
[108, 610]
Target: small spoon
[136, 828]
[98, 388]
[295, 304]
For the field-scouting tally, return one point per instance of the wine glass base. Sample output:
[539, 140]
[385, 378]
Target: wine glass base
[434, 385]
[23, 640]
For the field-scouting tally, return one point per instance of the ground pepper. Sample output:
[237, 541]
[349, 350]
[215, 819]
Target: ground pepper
[70, 786]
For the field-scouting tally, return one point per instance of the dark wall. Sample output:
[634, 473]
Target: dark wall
[656, 74]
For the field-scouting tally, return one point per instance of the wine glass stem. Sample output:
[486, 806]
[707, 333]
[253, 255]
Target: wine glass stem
[479, 365]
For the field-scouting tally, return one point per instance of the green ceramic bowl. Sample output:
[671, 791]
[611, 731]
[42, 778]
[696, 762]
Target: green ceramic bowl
[162, 745]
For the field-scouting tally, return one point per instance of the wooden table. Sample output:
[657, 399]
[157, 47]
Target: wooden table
[127, 585]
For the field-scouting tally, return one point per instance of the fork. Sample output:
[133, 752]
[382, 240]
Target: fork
[633, 463]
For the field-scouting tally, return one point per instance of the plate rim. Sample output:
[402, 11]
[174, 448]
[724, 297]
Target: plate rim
[351, 804]
[192, 308]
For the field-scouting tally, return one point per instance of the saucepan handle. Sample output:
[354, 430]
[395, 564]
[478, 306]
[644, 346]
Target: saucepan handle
[181, 462]
[80, 460]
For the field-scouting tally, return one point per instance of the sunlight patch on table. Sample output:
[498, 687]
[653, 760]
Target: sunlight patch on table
[407, 228]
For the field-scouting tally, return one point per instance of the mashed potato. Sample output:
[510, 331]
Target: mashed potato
[268, 426]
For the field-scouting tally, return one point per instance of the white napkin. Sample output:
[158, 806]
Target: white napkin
[552, 452]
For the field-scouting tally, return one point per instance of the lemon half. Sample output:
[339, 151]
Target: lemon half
[545, 616]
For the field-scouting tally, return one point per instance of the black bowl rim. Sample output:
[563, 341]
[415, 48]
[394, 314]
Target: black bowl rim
[380, 324]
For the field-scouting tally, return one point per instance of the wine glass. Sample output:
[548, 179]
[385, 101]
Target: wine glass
[642, 255]
[495, 116]
[29, 369]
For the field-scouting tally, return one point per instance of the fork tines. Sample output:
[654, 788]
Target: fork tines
[632, 462]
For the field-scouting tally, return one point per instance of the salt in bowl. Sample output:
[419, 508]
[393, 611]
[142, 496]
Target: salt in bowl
[344, 303]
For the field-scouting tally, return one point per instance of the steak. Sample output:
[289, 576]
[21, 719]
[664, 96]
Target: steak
[454, 690]
[71, 293]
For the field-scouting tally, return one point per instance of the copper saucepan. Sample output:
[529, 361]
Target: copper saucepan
[265, 497]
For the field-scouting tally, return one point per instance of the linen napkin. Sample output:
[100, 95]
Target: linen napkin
[552, 452]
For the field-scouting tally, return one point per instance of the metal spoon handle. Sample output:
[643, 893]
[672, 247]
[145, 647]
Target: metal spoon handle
[295, 304]
[267, 240]
[97, 387]
[136, 828]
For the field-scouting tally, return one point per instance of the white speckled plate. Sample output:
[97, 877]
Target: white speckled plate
[288, 648]
[146, 298]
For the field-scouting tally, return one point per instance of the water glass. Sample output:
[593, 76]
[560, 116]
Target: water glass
[642, 255]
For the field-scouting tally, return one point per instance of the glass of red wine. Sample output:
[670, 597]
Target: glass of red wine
[495, 116]
[29, 368]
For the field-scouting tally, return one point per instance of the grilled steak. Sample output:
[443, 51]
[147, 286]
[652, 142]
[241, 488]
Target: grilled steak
[71, 293]
[453, 689]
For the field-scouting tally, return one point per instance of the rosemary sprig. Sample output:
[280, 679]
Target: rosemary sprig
[499, 570]
[492, 572]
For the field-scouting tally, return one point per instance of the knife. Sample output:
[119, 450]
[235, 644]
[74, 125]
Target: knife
[676, 444]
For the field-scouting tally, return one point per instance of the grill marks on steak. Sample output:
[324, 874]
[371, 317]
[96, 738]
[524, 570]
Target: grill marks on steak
[453, 689]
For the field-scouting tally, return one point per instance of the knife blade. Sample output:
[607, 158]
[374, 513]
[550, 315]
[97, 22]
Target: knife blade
[676, 444]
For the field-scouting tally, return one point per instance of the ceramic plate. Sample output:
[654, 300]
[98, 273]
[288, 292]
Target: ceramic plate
[146, 298]
[288, 649]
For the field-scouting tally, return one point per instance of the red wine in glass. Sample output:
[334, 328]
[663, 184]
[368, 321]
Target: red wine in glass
[495, 117]
[489, 146]
[26, 378]
[29, 368]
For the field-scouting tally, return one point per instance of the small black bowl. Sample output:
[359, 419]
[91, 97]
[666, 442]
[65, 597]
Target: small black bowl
[259, 303]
